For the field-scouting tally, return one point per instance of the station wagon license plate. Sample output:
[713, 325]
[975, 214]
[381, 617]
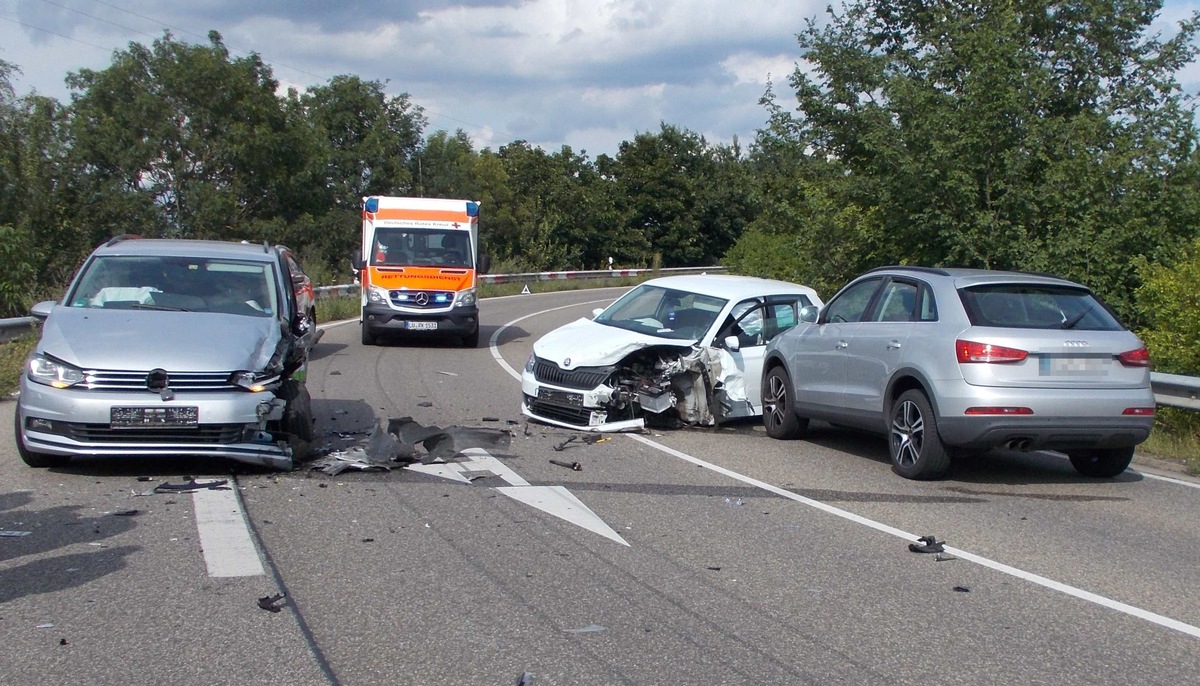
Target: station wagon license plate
[154, 417]
[421, 326]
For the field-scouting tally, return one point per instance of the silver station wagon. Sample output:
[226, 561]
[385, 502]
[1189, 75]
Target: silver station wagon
[171, 347]
[947, 362]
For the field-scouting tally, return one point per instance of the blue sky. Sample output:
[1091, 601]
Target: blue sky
[584, 73]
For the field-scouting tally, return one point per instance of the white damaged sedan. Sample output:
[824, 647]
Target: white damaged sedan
[678, 350]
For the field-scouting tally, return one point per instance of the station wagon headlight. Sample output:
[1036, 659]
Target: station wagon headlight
[52, 372]
[465, 298]
[255, 383]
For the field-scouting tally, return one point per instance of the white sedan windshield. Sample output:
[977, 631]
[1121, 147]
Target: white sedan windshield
[663, 312]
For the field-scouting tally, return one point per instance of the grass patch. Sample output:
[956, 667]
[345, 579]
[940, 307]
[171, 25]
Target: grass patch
[1176, 437]
[12, 361]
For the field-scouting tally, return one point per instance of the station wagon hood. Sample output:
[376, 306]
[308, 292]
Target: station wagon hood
[589, 344]
[92, 338]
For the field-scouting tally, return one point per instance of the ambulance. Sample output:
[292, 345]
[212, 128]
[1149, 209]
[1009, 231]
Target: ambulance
[418, 265]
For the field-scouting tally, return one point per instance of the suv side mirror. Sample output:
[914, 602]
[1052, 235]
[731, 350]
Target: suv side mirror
[808, 314]
[42, 309]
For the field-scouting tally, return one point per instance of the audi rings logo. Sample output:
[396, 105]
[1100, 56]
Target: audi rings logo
[422, 299]
[1075, 344]
[157, 379]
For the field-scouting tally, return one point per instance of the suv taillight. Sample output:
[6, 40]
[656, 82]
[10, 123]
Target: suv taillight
[1135, 358]
[970, 351]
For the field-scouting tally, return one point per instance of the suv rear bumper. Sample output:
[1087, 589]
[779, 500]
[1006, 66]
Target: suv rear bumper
[1058, 421]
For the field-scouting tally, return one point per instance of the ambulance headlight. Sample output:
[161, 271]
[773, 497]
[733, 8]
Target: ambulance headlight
[465, 298]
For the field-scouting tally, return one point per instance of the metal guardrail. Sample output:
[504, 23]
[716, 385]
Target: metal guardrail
[1172, 390]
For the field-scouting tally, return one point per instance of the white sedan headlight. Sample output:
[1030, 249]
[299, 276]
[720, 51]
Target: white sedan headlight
[531, 363]
[52, 372]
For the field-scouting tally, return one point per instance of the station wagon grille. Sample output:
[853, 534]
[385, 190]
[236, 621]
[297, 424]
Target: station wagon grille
[114, 380]
[203, 434]
[584, 378]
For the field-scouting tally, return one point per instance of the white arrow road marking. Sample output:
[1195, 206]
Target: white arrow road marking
[554, 500]
[561, 503]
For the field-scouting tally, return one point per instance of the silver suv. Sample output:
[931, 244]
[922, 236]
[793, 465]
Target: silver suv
[168, 347]
[947, 362]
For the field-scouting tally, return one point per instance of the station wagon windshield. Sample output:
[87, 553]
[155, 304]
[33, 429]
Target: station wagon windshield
[175, 283]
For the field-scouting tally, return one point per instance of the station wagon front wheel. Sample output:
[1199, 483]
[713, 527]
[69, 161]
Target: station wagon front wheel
[779, 414]
[914, 444]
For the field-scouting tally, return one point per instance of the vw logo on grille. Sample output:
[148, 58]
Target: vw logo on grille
[157, 379]
[422, 299]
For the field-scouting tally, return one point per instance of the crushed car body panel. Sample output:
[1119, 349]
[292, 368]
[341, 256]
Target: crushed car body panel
[677, 350]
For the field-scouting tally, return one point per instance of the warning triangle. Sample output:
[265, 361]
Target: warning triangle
[525, 290]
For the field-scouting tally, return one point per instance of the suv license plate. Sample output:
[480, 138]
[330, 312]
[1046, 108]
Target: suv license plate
[1074, 366]
[421, 326]
[154, 417]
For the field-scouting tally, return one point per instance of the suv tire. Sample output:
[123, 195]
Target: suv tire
[1102, 463]
[779, 417]
[913, 442]
[33, 459]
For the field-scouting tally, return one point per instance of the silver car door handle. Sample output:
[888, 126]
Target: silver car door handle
[893, 345]
[842, 345]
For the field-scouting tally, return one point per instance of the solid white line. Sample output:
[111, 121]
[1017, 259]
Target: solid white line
[1159, 477]
[496, 334]
[224, 534]
[1088, 596]
[991, 564]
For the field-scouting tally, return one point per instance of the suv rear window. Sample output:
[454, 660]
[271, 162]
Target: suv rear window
[1036, 306]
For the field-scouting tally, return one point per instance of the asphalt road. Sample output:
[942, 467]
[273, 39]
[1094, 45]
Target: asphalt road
[705, 556]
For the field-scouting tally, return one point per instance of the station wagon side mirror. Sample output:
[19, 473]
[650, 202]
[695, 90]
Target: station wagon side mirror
[732, 343]
[808, 314]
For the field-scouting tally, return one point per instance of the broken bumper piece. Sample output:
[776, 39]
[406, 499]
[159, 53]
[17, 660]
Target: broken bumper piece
[600, 427]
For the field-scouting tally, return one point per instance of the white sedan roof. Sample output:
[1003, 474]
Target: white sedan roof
[733, 287]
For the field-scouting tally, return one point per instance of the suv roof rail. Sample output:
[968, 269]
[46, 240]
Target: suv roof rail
[909, 267]
[123, 237]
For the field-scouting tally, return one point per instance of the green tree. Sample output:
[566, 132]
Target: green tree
[444, 167]
[686, 198]
[199, 136]
[369, 139]
[1031, 134]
